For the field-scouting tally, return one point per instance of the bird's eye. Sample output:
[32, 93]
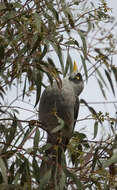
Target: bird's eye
[77, 76]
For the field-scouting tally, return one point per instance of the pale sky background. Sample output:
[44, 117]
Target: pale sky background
[91, 93]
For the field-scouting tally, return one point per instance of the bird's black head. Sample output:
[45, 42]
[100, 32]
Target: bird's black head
[77, 82]
[76, 77]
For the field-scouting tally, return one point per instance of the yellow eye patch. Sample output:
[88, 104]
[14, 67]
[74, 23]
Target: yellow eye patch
[77, 77]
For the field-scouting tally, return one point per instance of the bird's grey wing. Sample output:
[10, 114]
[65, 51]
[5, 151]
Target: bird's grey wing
[76, 111]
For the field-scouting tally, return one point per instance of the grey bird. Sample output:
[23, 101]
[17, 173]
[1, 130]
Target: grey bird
[57, 105]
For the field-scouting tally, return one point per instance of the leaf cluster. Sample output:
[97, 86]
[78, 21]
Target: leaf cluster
[38, 40]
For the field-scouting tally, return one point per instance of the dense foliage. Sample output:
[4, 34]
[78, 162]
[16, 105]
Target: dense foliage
[39, 40]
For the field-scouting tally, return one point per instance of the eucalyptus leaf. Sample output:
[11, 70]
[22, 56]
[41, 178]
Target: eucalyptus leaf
[36, 140]
[110, 81]
[24, 89]
[37, 22]
[38, 87]
[83, 42]
[75, 179]
[68, 64]
[114, 69]
[95, 129]
[101, 78]
[85, 67]
[102, 88]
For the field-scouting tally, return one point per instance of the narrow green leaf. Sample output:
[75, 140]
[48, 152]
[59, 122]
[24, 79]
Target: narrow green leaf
[50, 78]
[68, 64]
[70, 42]
[25, 136]
[110, 81]
[36, 42]
[89, 25]
[89, 107]
[38, 87]
[102, 89]
[80, 136]
[95, 129]
[55, 13]
[114, 69]
[24, 89]
[2, 50]
[53, 10]
[71, 20]
[95, 158]
[97, 184]
[58, 51]
[17, 5]
[20, 135]
[60, 56]
[36, 137]
[50, 61]
[37, 22]
[11, 135]
[44, 52]
[85, 67]
[36, 140]
[101, 78]
[65, 24]
[35, 169]
[76, 43]
[83, 42]
[74, 178]
[68, 13]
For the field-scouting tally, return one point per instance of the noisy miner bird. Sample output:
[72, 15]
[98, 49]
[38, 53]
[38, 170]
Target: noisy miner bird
[56, 105]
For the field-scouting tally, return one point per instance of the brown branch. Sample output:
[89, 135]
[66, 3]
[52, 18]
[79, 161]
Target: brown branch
[31, 123]
[14, 107]
[17, 148]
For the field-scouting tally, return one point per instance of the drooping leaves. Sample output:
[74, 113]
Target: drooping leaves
[80, 32]
[91, 109]
[69, 65]
[110, 81]
[30, 32]
[114, 69]
[74, 178]
[102, 88]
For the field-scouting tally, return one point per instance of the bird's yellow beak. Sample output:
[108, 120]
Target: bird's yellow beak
[75, 68]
